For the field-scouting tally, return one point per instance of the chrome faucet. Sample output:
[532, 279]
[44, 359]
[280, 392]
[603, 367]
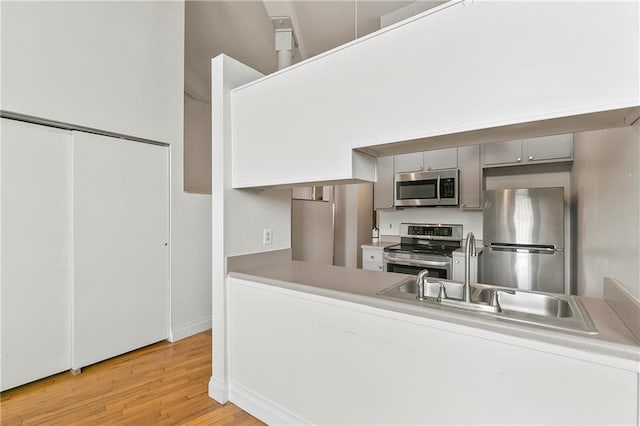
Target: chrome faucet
[470, 250]
[420, 282]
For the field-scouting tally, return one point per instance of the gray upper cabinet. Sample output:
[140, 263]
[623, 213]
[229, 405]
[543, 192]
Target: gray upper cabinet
[383, 187]
[549, 148]
[529, 151]
[439, 159]
[503, 153]
[470, 177]
[413, 162]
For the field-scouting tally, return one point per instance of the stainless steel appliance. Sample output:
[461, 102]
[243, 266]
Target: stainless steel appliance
[424, 246]
[438, 188]
[523, 238]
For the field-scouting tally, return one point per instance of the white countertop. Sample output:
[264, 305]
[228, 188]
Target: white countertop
[360, 286]
[379, 245]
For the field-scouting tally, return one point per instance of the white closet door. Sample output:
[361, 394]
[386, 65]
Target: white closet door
[35, 283]
[121, 231]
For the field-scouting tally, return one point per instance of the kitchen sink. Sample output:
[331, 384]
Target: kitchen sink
[530, 303]
[550, 310]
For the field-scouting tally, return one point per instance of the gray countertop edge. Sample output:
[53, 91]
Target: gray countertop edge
[563, 339]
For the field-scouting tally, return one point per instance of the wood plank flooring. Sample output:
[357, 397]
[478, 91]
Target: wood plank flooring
[162, 384]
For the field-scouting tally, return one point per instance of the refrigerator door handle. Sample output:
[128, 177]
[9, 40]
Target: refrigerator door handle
[525, 248]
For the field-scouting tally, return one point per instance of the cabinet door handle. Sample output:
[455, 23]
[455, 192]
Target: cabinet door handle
[372, 257]
[518, 159]
[531, 157]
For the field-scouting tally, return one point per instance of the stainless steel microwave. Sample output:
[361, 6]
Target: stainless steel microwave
[439, 188]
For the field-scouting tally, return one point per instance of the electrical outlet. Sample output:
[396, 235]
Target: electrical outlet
[267, 236]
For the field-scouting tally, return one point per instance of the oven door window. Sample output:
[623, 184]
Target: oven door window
[414, 270]
[417, 190]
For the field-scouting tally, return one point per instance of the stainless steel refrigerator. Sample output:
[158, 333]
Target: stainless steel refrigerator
[523, 238]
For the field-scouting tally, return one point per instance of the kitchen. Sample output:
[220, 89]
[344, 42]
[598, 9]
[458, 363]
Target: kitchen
[337, 318]
[483, 169]
[247, 326]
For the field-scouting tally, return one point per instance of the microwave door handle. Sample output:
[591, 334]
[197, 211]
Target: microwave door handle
[438, 188]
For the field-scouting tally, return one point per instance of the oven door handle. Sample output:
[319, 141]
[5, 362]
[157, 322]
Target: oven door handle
[425, 263]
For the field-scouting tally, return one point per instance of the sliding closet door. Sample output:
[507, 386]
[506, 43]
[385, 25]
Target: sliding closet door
[121, 252]
[35, 284]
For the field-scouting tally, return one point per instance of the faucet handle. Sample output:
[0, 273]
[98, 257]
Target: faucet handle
[422, 275]
[495, 300]
[442, 292]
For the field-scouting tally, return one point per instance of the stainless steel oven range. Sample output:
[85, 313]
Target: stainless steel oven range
[424, 246]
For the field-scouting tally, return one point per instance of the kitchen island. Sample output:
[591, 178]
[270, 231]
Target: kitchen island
[315, 344]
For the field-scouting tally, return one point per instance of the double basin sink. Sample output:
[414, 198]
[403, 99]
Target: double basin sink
[550, 310]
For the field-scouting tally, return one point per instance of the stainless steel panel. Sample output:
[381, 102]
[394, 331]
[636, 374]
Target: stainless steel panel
[523, 269]
[438, 266]
[524, 216]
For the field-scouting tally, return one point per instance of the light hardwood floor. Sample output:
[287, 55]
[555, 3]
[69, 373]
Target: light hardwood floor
[165, 383]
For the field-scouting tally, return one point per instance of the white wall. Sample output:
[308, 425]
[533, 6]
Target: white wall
[384, 88]
[118, 67]
[606, 181]
[340, 363]
[239, 216]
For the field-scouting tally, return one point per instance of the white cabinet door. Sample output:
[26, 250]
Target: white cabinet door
[413, 162]
[470, 177]
[549, 148]
[441, 159]
[121, 235]
[372, 259]
[383, 188]
[35, 285]
[503, 152]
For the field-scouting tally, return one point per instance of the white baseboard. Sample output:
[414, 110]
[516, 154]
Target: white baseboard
[190, 328]
[262, 408]
[218, 390]
[623, 304]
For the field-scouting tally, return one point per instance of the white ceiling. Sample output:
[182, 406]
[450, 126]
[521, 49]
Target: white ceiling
[243, 30]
